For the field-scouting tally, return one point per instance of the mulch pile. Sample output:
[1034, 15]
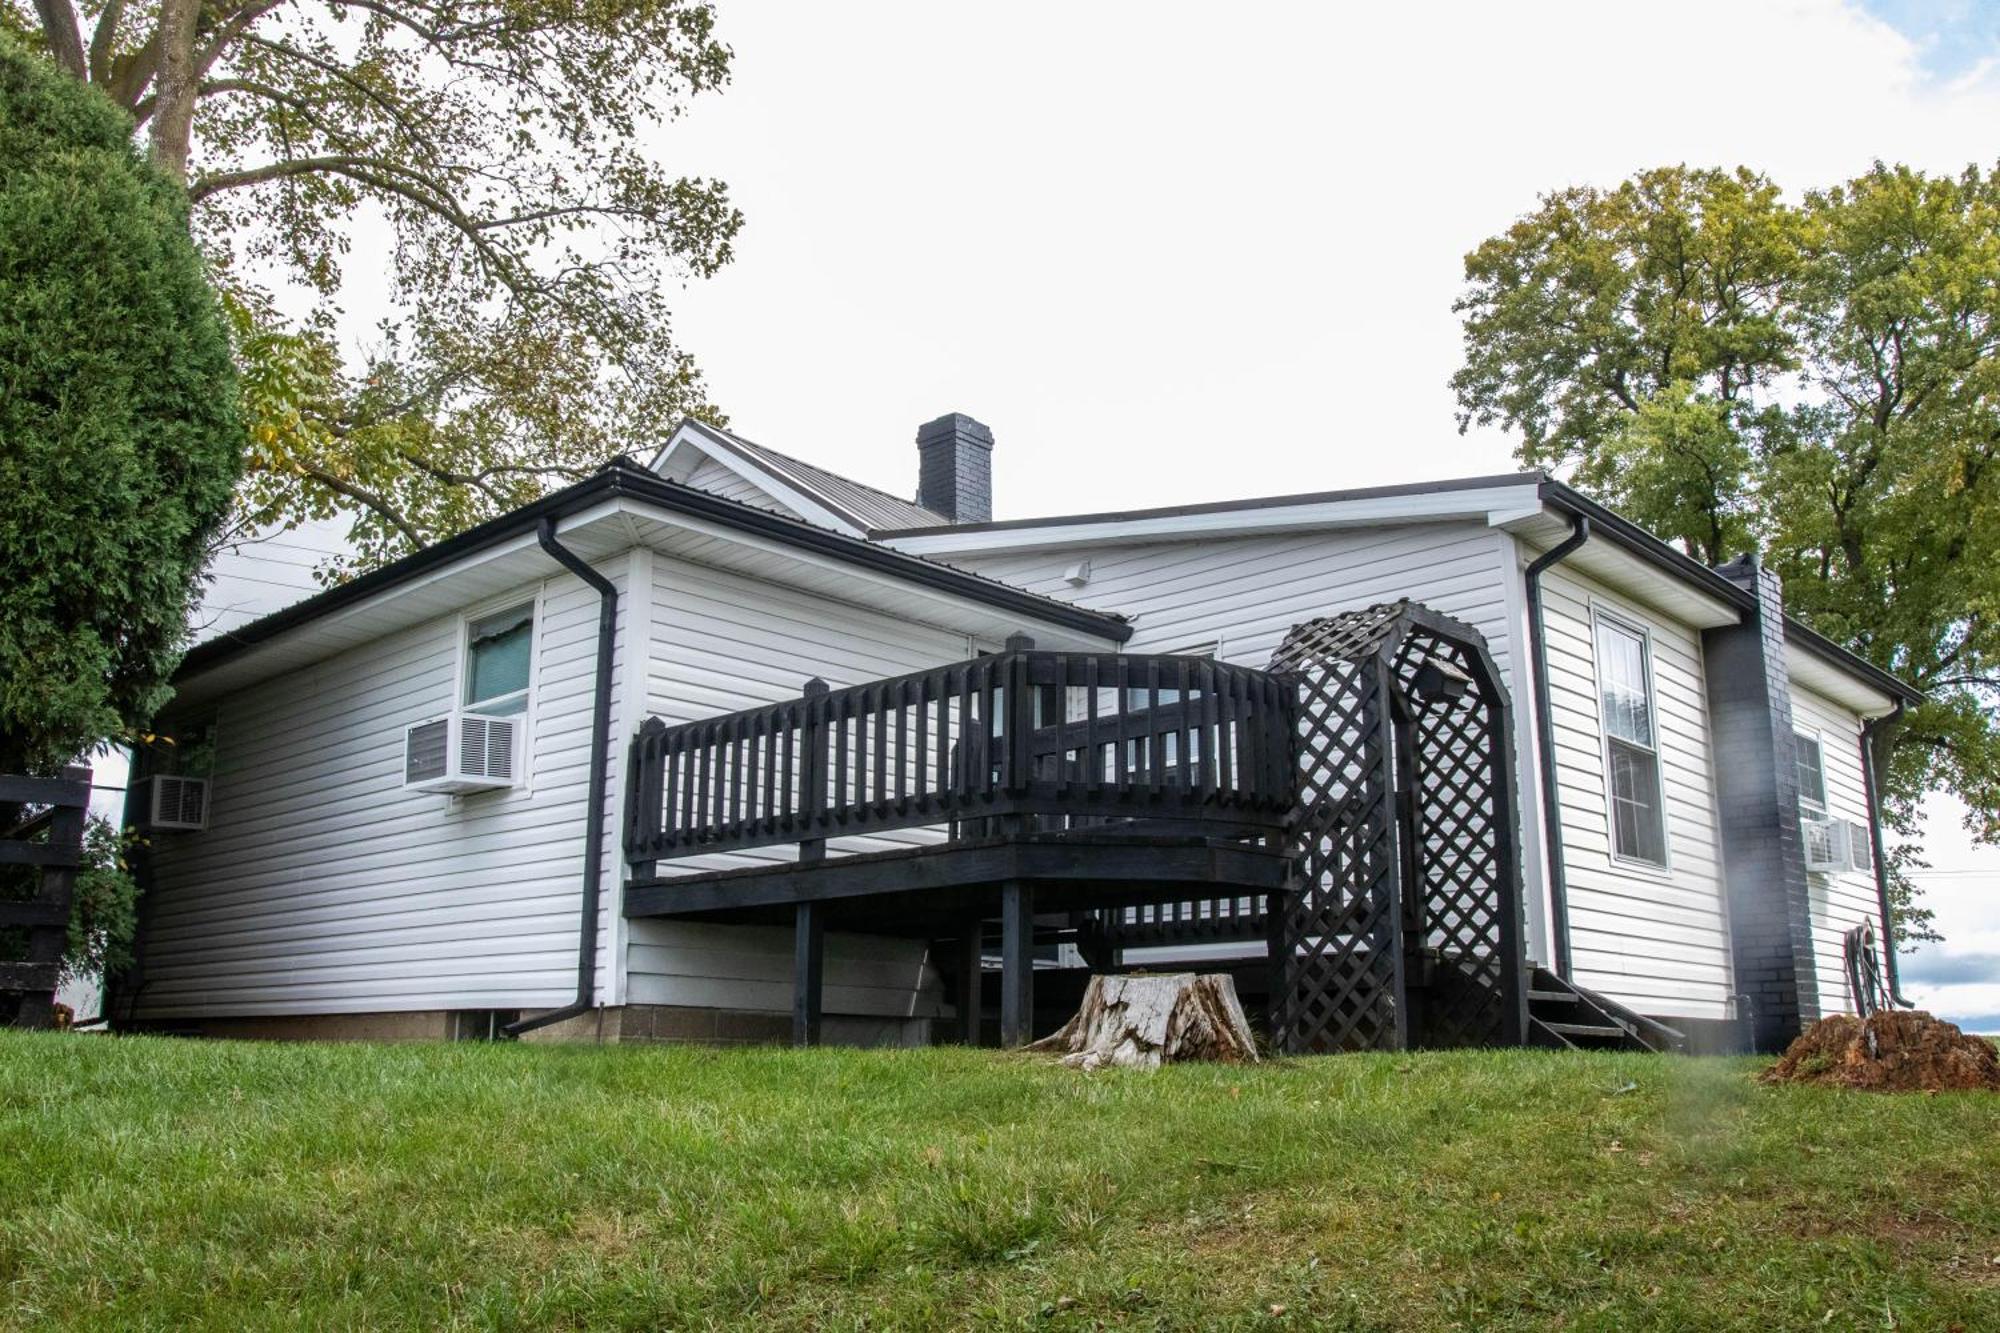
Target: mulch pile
[1897, 1050]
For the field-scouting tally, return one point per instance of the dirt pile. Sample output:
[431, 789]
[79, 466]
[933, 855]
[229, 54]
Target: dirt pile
[1894, 1051]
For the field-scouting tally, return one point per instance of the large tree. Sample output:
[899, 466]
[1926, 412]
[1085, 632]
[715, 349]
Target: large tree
[1817, 380]
[119, 435]
[490, 159]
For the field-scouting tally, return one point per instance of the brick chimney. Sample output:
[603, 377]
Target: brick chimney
[1757, 786]
[955, 468]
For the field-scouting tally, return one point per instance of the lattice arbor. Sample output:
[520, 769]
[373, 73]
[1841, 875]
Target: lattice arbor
[1405, 928]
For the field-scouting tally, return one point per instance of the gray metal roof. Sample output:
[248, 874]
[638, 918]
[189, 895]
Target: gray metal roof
[866, 506]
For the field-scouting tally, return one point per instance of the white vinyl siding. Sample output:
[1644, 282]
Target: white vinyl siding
[1238, 597]
[1839, 900]
[321, 886]
[720, 479]
[723, 642]
[1653, 937]
[1244, 594]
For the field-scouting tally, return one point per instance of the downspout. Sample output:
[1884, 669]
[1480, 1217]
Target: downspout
[600, 761]
[1545, 743]
[1868, 730]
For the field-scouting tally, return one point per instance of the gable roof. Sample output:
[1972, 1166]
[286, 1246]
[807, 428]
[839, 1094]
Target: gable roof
[856, 506]
[623, 478]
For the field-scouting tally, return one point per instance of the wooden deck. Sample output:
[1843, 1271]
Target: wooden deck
[1058, 784]
[912, 890]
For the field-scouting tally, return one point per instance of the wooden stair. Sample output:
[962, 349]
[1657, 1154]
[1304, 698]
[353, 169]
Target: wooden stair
[1565, 1016]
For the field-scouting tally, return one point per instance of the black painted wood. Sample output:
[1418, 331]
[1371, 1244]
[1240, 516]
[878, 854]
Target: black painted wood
[808, 972]
[971, 979]
[49, 846]
[1017, 963]
[964, 745]
[1074, 870]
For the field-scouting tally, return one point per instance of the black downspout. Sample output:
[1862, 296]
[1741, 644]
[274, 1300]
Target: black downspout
[1881, 864]
[1545, 741]
[600, 760]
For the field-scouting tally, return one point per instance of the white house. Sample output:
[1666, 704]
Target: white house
[1695, 841]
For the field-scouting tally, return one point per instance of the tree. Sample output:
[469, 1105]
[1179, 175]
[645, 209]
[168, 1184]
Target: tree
[487, 155]
[1818, 380]
[120, 442]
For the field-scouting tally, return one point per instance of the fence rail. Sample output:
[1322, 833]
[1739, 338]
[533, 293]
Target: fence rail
[41, 846]
[1033, 740]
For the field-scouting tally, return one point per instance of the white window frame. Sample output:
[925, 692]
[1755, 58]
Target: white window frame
[1630, 624]
[462, 661]
[1823, 807]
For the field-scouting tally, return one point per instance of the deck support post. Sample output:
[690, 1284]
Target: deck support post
[971, 962]
[1017, 963]
[808, 973]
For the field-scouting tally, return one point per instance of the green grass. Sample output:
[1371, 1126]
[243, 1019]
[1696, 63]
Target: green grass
[159, 1184]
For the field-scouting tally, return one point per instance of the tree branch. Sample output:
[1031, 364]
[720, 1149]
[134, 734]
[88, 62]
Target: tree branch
[375, 501]
[60, 31]
[105, 40]
[229, 31]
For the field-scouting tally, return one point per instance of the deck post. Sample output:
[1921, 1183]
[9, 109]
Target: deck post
[971, 963]
[808, 973]
[1017, 962]
[812, 771]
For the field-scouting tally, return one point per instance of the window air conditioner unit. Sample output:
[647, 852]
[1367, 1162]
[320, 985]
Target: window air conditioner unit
[170, 802]
[1860, 848]
[462, 752]
[1826, 845]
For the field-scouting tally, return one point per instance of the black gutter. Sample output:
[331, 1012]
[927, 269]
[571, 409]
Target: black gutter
[1623, 532]
[625, 478]
[600, 765]
[1889, 969]
[1545, 744]
[1832, 653]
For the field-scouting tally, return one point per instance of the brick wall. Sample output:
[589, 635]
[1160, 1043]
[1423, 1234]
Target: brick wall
[1764, 871]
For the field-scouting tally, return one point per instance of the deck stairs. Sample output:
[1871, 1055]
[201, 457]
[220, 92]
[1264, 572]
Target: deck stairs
[1565, 1016]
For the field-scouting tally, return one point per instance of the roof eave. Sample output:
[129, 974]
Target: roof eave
[630, 481]
[1646, 546]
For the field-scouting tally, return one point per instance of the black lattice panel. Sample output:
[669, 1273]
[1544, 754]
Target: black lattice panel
[1459, 863]
[1340, 969]
[1343, 954]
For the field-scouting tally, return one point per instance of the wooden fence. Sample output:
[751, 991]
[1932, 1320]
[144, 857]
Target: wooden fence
[40, 851]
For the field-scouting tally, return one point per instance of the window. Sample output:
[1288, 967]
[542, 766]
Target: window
[1631, 743]
[1812, 775]
[498, 652]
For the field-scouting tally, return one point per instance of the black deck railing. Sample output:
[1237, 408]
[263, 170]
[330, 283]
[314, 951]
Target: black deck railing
[1015, 741]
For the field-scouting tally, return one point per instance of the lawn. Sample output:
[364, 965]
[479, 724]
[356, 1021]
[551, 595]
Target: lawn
[151, 1183]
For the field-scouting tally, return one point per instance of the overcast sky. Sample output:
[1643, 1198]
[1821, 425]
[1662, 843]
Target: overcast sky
[1175, 252]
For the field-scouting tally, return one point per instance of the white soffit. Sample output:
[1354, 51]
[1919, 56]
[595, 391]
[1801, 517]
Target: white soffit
[705, 543]
[1482, 504]
[598, 534]
[517, 562]
[1809, 670]
[1622, 571]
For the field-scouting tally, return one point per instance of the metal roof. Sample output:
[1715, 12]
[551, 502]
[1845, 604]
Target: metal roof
[624, 477]
[865, 506]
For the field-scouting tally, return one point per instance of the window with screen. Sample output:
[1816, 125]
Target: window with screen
[498, 653]
[1631, 743]
[1812, 774]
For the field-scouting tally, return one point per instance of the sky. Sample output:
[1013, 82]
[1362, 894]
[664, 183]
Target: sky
[1175, 252]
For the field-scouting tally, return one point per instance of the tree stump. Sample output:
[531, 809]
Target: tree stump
[1139, 1021]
